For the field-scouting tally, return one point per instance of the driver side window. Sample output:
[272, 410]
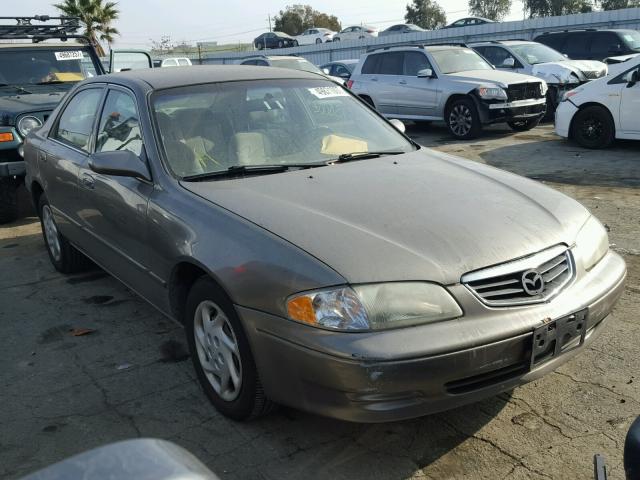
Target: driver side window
[119, 125]
[75, 125]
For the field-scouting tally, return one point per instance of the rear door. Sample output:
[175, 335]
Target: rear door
[416, 96]
[383, 74]
[577, 45]
[67, 151]
[605, 44]
[115, 207]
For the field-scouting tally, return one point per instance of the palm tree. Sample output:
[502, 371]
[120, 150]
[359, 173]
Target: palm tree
[96, 17]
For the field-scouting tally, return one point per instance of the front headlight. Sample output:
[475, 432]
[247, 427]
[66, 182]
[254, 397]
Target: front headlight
[492, 93]
[374, 306]
[592, 242]
[28, 124]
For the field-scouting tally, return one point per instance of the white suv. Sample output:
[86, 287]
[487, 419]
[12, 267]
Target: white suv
[447, 82]
[597, 113]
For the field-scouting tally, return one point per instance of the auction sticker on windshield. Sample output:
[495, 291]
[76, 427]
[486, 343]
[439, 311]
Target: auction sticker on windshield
[69, 55]
[328, 92]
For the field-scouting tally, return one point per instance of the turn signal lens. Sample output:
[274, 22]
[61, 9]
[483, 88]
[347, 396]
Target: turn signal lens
[6, 137]
[301, 309]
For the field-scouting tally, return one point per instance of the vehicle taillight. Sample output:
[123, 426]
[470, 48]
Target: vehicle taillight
[349, 84]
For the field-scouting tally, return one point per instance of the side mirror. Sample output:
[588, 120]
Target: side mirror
[123, 60]
[425, 73]
[634, 78]
[121, 163]
[509, 62]
[632, 451]
[398, 125]
[326, 71]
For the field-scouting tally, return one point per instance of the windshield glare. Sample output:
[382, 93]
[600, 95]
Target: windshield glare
[459, 60]
[295, 64]
[25, 66]
[632, 39]
[210, 128]
[537, 53]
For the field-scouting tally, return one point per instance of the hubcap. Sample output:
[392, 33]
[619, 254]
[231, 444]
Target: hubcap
[460, 120]
[51, 233]
[218, 350]
[592, 128]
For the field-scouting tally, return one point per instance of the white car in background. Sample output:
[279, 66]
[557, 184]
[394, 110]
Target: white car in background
[533, 58]
[315, 35]
[356, 32]
[176, 62]
[595, 114]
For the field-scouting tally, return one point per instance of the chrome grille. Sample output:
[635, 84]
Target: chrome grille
[524, 91]
[504, 285]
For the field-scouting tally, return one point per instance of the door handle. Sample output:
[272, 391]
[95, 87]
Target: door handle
[42, 156]
[374, 79]
[402, 82]
[88, 181]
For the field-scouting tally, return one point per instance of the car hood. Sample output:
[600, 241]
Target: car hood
[567, 71]
[419, 216]
[13, 104]
[500, 78]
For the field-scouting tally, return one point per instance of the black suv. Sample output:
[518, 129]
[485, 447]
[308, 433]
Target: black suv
[44, 59]
[593, 44]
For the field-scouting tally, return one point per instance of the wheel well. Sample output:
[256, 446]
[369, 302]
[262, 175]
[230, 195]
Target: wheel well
[452, 99]
[183, 277]
[36, 193]
[592, 104]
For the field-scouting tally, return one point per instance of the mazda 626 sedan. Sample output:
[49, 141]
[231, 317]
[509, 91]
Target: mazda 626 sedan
[316, 256]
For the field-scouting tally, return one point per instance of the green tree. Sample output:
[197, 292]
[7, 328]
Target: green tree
[295, 19]
[426, 14]
[619, 4]
[96, 16]
[492, 9]
[550, 8]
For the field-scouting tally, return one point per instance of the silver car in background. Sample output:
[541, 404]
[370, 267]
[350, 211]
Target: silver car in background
[447, 82]
[317, 257]
[533, 58]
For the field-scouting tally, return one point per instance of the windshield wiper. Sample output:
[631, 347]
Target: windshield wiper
[350, 157]
[51, 82]
[240, 170]
[17, 87]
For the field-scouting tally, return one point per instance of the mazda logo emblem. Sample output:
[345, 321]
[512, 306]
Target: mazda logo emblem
[532, 282]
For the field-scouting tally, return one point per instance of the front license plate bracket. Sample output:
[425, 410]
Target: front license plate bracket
[559, 336]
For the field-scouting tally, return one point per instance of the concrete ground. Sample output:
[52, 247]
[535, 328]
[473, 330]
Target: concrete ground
[63, 393]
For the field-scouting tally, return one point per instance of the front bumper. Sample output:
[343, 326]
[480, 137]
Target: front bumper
[406, 373]
[13, 169]
[496, 112]
[564, 115]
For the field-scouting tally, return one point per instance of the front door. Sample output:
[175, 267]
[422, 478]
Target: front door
[416, 96]
[60, 165]
[114, 208]
[630, 104]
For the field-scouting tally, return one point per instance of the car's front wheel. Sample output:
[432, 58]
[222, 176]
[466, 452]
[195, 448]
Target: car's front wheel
[260, 46]
[318, 41]
[593, 127]
[463, 120]
[64, 256]
[280, 44]
[221, 354]
[524, 125]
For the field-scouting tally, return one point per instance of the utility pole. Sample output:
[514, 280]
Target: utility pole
[269, 22]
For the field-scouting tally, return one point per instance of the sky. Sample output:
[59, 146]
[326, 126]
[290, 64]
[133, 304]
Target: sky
[233, 21]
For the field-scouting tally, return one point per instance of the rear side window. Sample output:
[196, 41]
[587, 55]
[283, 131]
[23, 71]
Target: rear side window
[495, 55]
[605, 44]
[370, 66]
[576, 45]
[182, 62]
[76, 122]
[391, 63]
[414, 62]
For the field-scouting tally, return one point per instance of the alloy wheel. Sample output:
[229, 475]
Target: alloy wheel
[460, 120]
[51, 233]
[592, 128]
[218, 350]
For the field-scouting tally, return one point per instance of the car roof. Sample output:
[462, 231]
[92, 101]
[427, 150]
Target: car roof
[159, 79]
[588, 30]
[504, 42]
[428, 48]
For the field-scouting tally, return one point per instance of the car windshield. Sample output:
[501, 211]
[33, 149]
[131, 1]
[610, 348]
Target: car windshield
[632, 39]
[459, 60]
[534, 53]
[295, 64]
[27, 66]
[214, 127]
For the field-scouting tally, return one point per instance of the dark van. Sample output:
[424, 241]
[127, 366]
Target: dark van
[592, 44]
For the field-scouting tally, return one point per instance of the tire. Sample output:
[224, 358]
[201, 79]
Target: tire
[216, 340]
[337, 39]
[552, 103]
[592, 127]
[463, 120]
[64, 256]
[318, 41]
[295, 43]
[524, 125]
[260, 46]
[8, 200]
[280, 44]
